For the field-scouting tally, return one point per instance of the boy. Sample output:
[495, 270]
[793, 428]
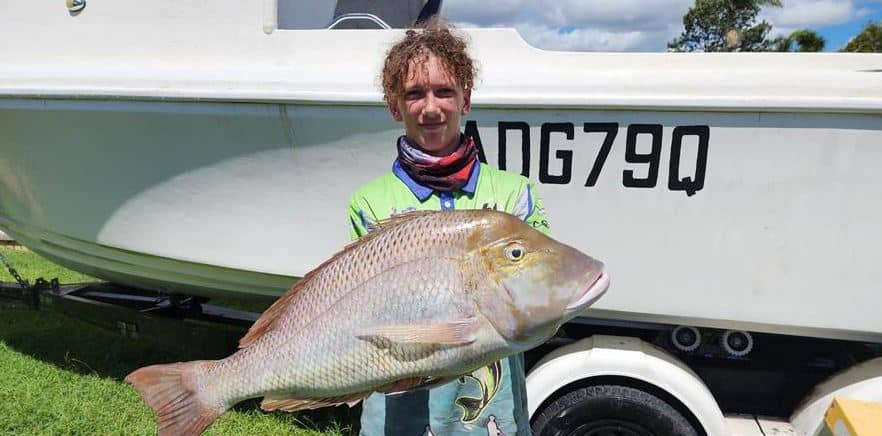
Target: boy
[427, 82]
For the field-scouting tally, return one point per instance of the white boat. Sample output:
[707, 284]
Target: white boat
[205, 150]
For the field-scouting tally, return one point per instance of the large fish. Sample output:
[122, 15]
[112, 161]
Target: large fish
[423, 299]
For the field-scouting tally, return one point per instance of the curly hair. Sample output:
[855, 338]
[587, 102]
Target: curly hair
[436, 37]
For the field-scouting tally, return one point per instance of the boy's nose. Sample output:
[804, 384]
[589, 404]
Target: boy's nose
[431, 104]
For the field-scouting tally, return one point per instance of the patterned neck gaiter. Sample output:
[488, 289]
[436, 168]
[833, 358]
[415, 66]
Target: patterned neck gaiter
[441, 173]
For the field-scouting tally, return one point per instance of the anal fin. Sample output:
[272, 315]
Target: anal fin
[396, 387]
[295, 404]
[409, 384]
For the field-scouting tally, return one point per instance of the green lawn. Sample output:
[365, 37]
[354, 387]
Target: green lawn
[61, 375]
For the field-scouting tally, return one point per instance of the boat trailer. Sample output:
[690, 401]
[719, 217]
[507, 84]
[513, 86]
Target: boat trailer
[177, 321]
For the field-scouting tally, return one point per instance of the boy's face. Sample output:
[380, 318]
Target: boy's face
[431, 106]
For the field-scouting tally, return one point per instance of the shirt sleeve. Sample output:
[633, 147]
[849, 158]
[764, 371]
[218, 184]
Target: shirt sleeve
[530, 208]
[359, 222]
[537, 217]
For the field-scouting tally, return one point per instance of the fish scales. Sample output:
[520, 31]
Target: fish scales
[314, 371]
[352, 284]
[359, 264]
[426, 297]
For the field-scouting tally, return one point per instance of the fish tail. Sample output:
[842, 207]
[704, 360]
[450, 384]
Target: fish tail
[172, 392]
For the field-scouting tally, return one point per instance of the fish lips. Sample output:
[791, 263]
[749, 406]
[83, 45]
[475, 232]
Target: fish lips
[594, 291]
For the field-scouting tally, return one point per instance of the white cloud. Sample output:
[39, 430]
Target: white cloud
[619, 15]
[586, 39]
[810, 13]
[626, 25]
[863, 12]
[499, 12]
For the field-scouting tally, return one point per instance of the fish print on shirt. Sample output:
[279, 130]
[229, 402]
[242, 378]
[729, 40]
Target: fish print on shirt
[488, 380]
[524, 205]
[493, 428]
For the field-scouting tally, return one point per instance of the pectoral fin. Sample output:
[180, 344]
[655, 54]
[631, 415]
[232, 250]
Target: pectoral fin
[459, 332]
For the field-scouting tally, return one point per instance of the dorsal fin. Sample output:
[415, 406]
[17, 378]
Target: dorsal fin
[403, 217]
[267, 320]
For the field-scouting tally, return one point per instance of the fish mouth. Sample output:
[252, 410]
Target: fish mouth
[594, 291]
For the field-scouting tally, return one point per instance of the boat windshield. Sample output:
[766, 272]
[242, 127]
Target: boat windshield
[353, 14]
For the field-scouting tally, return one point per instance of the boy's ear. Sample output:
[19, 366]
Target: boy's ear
[393, 110]
[466, 101]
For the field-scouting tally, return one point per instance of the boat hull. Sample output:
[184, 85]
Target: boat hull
[757, 220]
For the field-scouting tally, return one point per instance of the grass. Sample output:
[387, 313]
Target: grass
[31, 266]
[61, 375]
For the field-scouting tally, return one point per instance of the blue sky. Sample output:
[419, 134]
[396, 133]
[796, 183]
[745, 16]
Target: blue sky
[646, 25]
[838, 35]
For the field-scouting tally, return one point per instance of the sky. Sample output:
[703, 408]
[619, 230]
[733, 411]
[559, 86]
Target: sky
[647, 25]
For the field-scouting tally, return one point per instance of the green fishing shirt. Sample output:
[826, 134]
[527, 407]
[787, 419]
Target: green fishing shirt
[492, 400]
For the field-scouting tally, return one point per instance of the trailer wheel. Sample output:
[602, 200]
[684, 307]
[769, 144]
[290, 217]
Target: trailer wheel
[611, 410]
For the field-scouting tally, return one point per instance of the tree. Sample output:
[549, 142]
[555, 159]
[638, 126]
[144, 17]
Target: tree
[868, 41]
[724, 25]
[806, 41]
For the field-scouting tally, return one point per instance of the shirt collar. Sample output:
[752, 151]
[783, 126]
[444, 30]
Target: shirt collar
[423, 192]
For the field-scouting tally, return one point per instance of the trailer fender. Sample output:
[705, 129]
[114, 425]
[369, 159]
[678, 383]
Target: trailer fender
[602, 356]
[860, 382]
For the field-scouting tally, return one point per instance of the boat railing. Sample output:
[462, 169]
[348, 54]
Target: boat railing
[354, 21]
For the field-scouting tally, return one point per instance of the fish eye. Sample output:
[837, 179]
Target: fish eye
[514, 252]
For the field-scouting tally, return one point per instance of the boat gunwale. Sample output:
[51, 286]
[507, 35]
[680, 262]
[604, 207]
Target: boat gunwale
[663, 103]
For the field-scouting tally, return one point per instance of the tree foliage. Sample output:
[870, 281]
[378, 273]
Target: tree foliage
[803, 40]
[725, 25]
[868, 41]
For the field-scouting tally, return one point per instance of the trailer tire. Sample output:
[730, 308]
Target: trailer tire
[611, 410]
